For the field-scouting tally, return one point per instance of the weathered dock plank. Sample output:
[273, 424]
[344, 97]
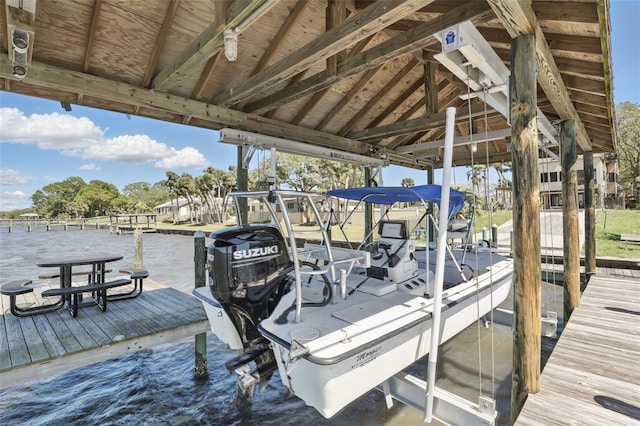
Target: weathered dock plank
[593, 375]
[47, 344]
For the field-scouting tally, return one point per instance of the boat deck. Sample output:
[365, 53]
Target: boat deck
[593, 374]
[42, 345]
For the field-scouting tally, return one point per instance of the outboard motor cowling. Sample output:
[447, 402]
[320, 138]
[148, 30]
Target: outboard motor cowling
[248, 274]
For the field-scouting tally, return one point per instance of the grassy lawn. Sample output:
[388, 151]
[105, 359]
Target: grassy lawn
[484, 220]
[609, 225]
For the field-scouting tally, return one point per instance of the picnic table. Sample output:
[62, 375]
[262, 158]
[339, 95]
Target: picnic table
[69, 295]
[629, 238]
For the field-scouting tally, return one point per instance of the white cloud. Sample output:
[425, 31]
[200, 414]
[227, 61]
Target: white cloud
[14, 200]
[89, 167]
[81, 138]
[48, 131]
[185, 158]
[13, 177]
[14, 194]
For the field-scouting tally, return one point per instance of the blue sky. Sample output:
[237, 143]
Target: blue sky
[40, 143]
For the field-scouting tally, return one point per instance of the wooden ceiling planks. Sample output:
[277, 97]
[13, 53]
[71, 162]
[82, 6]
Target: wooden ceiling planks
[111, 51]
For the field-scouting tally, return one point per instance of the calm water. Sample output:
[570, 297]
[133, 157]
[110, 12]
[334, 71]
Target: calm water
[156, 387]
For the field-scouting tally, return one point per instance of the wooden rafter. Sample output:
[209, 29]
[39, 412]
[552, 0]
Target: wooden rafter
[204, 46]
[92, 35]
[308, 107]
[336, 14]
[348, 97]
[202, 81]
[374, 18]
[410, 126]
[397, 46]
[280, 36]
[378, 96]
[519, 18]
[410, 90]
[50, 77]
[160, 42]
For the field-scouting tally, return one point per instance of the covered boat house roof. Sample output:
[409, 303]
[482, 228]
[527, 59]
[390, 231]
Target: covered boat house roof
[362, 76]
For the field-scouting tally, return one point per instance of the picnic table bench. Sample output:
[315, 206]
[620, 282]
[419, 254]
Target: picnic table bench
[98, 291]
[629, 238]
[52, 275]
[71, 295]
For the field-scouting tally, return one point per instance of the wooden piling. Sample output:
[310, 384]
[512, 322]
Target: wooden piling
[589, 216]
[200, 259]
[137, 249]
[242, 184]
[526, 222]
[368, 209]
[570, 238]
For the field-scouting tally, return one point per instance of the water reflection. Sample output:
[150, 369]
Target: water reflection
[157, 386]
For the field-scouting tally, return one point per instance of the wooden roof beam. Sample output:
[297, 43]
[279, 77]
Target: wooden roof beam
[373, 19]
[282, 33]
[519, 19]
[161, 39]
[50, 77]
[399, 45]
[410, 126]
[92, 35]
[378, 96]
[206, 44]
[348, 97]
[410, 90]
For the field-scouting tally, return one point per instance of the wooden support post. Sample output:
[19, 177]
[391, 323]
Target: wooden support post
[200, 260]
[526, 223]
[432, 235]
[336, 14]
[137, 249]
[570, 217]
[242, 184]
[589, 216]
[368, 209]
[430, 86]
[431, 107]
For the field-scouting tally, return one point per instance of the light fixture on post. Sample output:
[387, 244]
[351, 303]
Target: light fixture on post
[19, 52]
[20, 40]
[230, 44]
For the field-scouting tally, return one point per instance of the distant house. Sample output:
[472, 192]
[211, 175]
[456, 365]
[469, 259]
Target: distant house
[182, 212]
[29, 216]
[607, 191]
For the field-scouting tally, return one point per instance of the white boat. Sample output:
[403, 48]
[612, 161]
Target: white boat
[338, 322]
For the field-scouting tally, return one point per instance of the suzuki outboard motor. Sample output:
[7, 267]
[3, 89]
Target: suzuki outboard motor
[248, 274]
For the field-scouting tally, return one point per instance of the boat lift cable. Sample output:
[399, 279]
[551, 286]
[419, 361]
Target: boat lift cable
[475, 204]
[549, 230]
[486, 186]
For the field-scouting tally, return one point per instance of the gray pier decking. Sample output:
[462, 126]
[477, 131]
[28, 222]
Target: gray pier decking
[43, 345]
[593, 375]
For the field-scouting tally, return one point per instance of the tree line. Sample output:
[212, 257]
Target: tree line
[75, 198]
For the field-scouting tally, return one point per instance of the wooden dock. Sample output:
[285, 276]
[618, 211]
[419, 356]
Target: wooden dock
[593, 375]
[44, 345]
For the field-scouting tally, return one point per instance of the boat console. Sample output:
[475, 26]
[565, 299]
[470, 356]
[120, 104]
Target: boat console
[393, 257]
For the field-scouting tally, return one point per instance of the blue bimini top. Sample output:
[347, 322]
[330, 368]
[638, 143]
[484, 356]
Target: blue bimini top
[400, 194]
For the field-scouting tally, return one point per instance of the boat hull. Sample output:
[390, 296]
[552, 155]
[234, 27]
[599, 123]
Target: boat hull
[331, 386]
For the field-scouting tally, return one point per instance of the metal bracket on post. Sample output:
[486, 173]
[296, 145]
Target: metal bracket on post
[386, 390]
[487, 406]
[247, 155]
